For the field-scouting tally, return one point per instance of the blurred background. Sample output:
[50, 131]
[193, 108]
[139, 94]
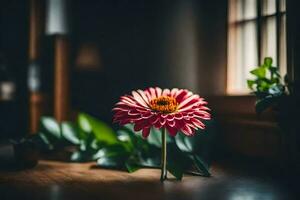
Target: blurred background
[61, 57]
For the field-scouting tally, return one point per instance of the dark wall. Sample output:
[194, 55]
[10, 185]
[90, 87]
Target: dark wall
[179, 43]
[127, 36]
[14, 27]
[213, 47]
[293, 42]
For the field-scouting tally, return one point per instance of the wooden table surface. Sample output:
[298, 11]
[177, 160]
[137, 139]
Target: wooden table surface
[52, 180]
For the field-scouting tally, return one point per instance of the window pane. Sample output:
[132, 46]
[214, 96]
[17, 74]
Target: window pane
[282, 5]
[250, 9]
[269, 7]
[242, 58]
[269, 39]
[246, 9]
[249, 50]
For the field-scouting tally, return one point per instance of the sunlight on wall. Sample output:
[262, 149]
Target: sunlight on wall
[181, 46]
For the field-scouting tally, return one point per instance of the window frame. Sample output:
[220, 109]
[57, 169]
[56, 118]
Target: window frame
[259, 19]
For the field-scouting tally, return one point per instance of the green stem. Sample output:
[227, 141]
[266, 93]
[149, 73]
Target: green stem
[163, 155]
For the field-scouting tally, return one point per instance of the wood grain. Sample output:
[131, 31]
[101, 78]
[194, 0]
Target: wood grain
[57, 180]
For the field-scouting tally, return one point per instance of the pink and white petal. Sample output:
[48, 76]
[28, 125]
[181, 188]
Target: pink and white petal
[187, 108]
[153, 93]
[157, 124]
[120, 109]
[164, 115]
[172, 130]
[139, 125]
[198, 123]
[143, 95]
[133, 112]
[158, 91]
[148, 95]
[182, 95]
[162, 121]
[174, 92]
[204, 115]
[188, 101]
[170, 117]
[187, 130]
[191, 125]
[171, 123]
[166, 92]
[179, 124]
[146, 132]
[139, 99]
[204, 108]
[154, 119]
[134, 105]
[178, 116]
[127, 98]
[147, 115]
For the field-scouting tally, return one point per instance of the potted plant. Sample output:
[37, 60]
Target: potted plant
[281, 96]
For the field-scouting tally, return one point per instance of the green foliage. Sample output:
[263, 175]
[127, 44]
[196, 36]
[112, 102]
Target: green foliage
[123, 149]
[266, 85]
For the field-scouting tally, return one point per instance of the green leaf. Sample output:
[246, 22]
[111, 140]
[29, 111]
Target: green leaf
[51, 127]
[260, 72]
[274, 71]
[153, 162]
[81, 156]
[111, 151]
[268, 61]
[201, 166]
[154, 137]
[131, 167]
[46, 144]
[263, 104]
[263, 85]
[70, 133]
[250, 84]
[110, 162]
[77, 156]
[82, 145]
[182, 143]
[101, 130]
[276, 90]
[201, 143]
[84, 123]
[175, 169]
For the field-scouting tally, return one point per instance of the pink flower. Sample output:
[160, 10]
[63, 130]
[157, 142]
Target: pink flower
[176, 110]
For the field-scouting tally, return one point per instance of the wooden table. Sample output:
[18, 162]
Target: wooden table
[52, 180]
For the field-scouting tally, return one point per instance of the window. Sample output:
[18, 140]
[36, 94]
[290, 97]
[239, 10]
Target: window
[256, 29]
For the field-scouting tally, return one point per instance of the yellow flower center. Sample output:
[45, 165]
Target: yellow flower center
[164, 104]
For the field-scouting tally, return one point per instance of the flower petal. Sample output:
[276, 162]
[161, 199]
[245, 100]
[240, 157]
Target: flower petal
[171, 123]
[174, 92]
[146, 132]
[153, 93]
[143, 95]
[166, 92]
[198, 123]
[187, 130]
[140, 125]
[139, 99]
[187, 118]
[172, 130]
[158, 91]
[194, 99]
